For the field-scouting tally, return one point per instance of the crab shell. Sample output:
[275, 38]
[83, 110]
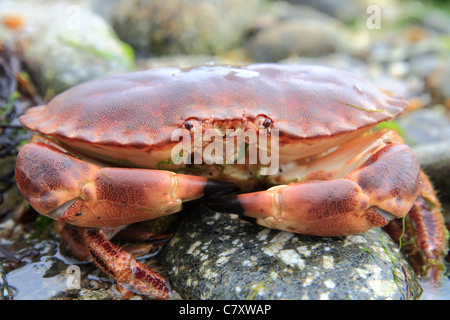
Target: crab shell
[129, 118]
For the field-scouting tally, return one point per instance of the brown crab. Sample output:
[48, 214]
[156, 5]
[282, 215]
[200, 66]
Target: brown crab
[94, 162]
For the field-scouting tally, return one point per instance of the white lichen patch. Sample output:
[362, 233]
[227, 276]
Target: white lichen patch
[310, 278]
[193, 248]
[381, 252]
[330, 284]
[222, 260]
[277, 243]
[210, 275]
[262, 235]
[250, 263]
[227, 252]
[327, 262]
[383, 288]
[304, 251]
[324, 296]
[217, 216]
[360, 273]
[292, 258]
[225, 237]
[354, 239]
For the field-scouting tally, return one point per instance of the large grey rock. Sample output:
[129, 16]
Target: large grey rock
[63, 43]
[180, 27]
[287, 30]
[218, 256]
[428, 131]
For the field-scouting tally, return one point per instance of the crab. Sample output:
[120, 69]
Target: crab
[102, 157]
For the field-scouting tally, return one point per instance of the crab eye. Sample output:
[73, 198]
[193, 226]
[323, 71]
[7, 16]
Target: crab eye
[188, 125]
[263, 122]
[267, 123]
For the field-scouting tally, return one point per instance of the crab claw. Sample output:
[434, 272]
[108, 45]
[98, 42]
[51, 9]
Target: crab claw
[70, 190]
[383, 188]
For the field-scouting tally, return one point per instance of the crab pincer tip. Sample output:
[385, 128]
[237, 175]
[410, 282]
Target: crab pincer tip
[218, 187]
[226, 205]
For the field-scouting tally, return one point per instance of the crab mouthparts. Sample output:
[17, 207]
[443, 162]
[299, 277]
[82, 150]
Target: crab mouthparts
[386, 215]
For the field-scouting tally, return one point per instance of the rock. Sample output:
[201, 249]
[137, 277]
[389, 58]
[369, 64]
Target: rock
[5, 290]
[64, 43]
[308, 38]
[289, 30]
[438, 83]
[344, 10]
[218, 256]
[437, 20]
[180, 27]
[428, 131]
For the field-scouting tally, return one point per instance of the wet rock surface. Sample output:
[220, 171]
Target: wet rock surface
[219, 256]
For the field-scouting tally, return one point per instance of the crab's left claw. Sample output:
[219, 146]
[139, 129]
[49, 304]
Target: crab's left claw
[70, 190]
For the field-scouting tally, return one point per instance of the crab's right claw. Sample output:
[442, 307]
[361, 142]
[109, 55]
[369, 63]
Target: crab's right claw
[383, 188]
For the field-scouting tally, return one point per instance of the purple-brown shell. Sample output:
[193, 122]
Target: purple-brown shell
[141, 109]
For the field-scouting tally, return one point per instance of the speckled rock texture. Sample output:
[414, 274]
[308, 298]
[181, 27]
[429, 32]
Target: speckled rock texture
[5, 290]
[228, 258]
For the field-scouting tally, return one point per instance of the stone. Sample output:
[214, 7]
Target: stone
[428, 132]
[306, 38]
[438, 83]
[63, 43]
[219, 256]
[154, 27]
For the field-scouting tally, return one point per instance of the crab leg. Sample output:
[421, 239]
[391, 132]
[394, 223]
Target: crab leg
[423, 237]
[383, 188]
[68, 189]
[130, 275]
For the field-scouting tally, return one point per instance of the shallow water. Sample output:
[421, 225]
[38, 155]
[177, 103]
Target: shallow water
[430, 292]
